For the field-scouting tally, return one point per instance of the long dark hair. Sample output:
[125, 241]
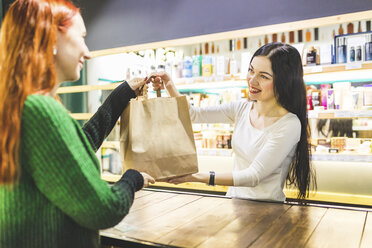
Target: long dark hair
[290, 93]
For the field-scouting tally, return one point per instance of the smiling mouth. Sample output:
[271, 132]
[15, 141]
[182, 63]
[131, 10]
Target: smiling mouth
[254, 91]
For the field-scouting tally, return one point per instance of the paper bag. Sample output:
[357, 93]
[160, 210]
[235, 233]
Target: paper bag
[156, 137]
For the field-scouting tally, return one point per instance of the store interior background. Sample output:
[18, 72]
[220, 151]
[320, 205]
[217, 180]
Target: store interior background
[117, 23]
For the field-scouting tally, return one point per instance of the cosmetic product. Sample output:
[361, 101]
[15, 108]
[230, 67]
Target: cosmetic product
[274, 37]
[206, 48]
[266, 40]
[358, 53]
[187, 67]
[200, 49]
[291, 37]
[221, 66]
[311, 56]
[352, 54]
[207, 66]
[324, 94]
[367, 95]
[359, 27]
[341, 50]
[260, 43]
[333, 34]
[212, 48]
[340, 30]
[368, 26]
[350, 28]
[330, 99]
[196, 66]
[308, 35]
[230, 45]
[245, 42]
[299, 35]
[316, 33]
[368, 48]
[283, 38]
[239, 44]
[315, 98]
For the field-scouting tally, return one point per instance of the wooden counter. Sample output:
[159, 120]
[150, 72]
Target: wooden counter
[171, 219]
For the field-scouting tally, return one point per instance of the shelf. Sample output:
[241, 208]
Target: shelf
[86, 88]
[362, 128]
[319, 69]
[111, 144]
[342, 157]
[81, 116]
[339, 114]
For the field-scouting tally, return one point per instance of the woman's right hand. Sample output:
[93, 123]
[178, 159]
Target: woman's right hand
[161, 80]
[147, 179]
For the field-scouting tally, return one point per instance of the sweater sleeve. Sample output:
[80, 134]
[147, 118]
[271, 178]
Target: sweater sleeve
[103, 121]
[270, 157]
[56, 153]
[223, 113]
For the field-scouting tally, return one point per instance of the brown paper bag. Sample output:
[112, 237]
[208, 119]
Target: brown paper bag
[156, 137]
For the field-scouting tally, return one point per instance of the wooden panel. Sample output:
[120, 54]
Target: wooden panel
[338, 228]
[140, 215]
[142, 193]
[172, 220]
[292, 229]
[209, 224]
[366, 241]
[244, 230]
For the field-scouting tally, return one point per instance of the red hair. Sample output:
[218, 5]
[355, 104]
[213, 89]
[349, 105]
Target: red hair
[27, 39]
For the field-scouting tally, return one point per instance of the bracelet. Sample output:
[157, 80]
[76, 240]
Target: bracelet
[211, 178]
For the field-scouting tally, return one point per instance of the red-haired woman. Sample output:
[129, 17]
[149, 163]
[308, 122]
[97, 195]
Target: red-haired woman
[51, 194]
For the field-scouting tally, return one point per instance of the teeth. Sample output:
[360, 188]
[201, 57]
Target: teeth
[254, 90]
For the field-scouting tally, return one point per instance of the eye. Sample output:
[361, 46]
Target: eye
[264, 77]
[250, 70]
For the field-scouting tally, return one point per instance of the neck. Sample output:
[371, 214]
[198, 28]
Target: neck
[269, 108]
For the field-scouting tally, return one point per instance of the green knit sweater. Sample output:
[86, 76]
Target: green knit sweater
[60, 200]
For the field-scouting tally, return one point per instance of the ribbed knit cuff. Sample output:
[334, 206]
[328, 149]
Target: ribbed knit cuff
[133, 177]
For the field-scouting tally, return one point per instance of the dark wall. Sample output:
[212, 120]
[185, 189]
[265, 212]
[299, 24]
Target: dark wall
[116, 23]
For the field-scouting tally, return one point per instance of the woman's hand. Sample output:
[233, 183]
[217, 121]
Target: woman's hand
[162, 79]
[135, 83]
[147, 179]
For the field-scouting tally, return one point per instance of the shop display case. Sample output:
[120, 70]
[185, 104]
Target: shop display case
[341, 135]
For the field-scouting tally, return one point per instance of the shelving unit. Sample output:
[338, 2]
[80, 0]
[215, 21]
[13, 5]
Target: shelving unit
[340, 166]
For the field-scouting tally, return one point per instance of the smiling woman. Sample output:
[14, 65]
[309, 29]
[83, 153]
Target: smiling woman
[270, 130]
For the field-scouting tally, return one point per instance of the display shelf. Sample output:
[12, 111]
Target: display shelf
[361, 72]
[339, 114]
[342, 157]
[81, 116]
[362, 128]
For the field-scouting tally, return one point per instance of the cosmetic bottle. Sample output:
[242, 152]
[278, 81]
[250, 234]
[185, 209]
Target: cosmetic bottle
[238, 44]
[311, 56]
[368, 26]
[308, 35]
[368, 48]
[350, 28]
[291, 37]
[359, 27]
[299, 36]
[316, 34]
[266, 40]
[340, 30]
[352, 54]
[341, 50]
[283, 38]
[275, 37]
[358, 53]
[245, 42]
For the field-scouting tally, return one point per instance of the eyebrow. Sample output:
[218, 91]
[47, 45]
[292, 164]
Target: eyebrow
[263, 72]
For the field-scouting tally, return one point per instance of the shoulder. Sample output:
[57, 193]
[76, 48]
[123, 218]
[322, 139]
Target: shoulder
[40, 107]
[241, 105]
[288, 126]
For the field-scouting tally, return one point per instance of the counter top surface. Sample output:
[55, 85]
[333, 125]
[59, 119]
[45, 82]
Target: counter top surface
[171, 219]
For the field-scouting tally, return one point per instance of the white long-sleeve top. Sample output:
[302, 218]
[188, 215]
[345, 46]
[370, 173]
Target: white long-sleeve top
[261, 157]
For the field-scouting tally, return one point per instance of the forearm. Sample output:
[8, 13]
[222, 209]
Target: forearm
[225, 179]
[172, 90]
[103, 121]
